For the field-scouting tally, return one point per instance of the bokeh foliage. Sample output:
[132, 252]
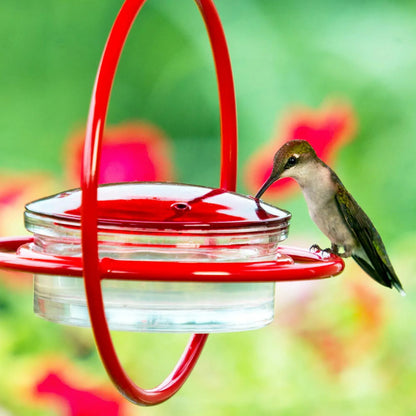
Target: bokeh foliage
[283, 54]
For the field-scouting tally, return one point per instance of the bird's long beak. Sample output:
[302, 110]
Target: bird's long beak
[266, 184]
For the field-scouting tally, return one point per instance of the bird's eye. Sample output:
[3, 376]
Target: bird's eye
[291, 162]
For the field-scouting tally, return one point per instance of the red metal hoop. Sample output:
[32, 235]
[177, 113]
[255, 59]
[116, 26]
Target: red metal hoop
[89, 184]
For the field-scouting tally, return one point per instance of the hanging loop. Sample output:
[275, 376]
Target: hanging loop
[89, 184]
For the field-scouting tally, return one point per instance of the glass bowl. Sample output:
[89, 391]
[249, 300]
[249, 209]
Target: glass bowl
[165, 222]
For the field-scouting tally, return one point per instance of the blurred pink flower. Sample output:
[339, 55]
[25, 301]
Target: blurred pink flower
[327, 129]
[72, 400]
[134, 151]
[17, 189]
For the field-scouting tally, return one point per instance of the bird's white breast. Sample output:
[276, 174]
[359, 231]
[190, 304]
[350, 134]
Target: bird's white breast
[319, 190]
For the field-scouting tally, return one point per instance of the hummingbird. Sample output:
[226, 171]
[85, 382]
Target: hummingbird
[334, 210]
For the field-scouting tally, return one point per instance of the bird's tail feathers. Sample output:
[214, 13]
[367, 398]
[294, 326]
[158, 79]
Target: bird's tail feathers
[387, 277]
[399, 288]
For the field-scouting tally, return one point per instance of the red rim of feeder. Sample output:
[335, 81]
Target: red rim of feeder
[310, 266]
[16, 253]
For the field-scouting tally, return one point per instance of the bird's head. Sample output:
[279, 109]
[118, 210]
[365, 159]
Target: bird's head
[295, 159]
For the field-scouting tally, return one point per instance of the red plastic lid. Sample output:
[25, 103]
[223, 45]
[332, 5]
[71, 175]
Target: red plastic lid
[164, 205]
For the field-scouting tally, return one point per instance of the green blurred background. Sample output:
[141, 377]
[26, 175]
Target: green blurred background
[343, 346]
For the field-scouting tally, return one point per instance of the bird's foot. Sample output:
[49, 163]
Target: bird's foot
[324, 252]
[314, 248]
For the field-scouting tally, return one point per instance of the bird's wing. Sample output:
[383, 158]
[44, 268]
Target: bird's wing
[380, 268]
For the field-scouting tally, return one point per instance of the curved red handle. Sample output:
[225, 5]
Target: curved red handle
[89, 184]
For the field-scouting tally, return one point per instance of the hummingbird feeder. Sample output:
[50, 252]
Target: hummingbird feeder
[158, 257]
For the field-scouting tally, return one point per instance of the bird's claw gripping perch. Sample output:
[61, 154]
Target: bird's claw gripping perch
[314, 248]
[325, 253]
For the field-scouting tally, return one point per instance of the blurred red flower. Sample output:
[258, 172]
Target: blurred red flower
[327, 129]
[74, 394]
[17, 189]
[134, 151]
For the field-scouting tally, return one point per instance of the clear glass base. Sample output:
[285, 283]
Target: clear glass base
[167, 223]
[159, 306]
